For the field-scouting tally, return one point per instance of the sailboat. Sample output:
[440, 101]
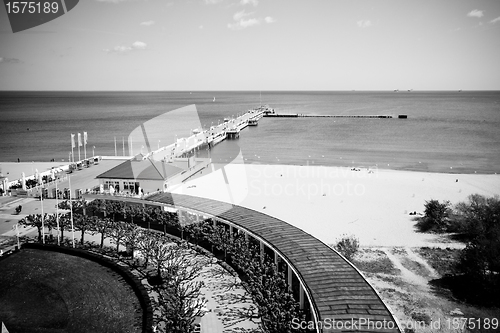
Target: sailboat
[213, 100]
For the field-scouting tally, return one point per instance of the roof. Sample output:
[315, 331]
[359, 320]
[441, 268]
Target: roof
[141, 170]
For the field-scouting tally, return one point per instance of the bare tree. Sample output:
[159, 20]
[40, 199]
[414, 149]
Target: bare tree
[179, 296]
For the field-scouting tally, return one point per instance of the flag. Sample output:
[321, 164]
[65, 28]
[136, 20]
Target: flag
[72, 140]
[84, 138]
[79, 140]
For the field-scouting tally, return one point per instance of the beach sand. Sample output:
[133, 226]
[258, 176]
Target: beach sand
[326, 202]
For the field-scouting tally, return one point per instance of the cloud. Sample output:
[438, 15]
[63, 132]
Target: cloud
[139, 45]
[495, 20]
[252, 2]
[475, 13]
[126, 49]
[239, 15]
[364, 23]
[212, 2]
[269, 19]
[243, 23]
[148, 23]
[9, 60]
[242, 20]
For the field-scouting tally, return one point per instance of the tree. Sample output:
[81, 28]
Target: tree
[78, 205]
[480, 260]
[33, 220]
[101, 226]
[130, 211]
[113, 207]
[164, 218]
[146, 243]
[348, 246]
[64, 223]
[117, 232]
[132, 236]
[199, 231]
[436, 217]
[83, 224]
[179, 296]
[97, 207]
[144, 212]
[160, 252]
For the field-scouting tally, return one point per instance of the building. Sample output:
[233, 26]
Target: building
[142, 176]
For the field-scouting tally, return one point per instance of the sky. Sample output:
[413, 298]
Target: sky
[257, 45]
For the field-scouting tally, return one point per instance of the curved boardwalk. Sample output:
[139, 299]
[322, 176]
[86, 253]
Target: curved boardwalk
[338, 292]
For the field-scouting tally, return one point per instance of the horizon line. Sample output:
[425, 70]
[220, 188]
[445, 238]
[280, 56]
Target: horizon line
[246, 90]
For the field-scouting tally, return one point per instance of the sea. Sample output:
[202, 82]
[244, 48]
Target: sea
[445, 131]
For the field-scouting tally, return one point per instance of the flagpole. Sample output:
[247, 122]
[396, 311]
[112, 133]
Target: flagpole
[17, 232]
[115, 147]
[123, 138]
[72, 146]
[71, 210]
[85, 145]
[57, 216]
[79, 144]
[43, 226]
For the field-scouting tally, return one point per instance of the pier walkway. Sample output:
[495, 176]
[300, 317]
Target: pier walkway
[301, 115]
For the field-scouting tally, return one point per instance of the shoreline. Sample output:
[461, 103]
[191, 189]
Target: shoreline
[7, 167]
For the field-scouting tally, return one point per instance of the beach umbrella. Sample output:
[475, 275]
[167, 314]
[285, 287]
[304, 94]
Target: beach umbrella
[23, 181]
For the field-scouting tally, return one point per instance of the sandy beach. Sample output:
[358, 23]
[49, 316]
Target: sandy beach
[327, 202]
[372, 204]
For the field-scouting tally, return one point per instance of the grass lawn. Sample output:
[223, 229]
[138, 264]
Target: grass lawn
[46, 291]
